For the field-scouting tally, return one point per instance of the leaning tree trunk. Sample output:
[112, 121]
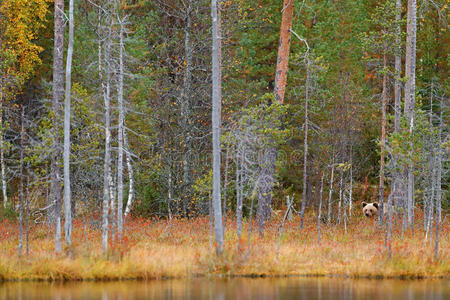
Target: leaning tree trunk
[410, 74]
[58, 94]
[383, 137]
[216, 108]
[67, 196]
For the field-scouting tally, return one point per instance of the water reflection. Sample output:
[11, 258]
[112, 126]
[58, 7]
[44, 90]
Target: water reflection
[239, 288]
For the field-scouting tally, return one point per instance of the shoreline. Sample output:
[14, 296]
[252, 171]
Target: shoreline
[413, 277]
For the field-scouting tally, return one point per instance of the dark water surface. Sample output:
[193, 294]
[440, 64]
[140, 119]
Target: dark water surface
[237, 288]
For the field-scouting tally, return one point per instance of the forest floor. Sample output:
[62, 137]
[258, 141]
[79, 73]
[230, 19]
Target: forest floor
[182, 248]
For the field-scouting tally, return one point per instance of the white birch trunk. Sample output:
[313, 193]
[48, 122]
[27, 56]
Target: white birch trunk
[67, 196]
[120, 137]
[216, 108]
[106, 87]
[130, 173]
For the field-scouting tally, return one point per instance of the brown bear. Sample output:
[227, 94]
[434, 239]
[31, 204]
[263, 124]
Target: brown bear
[370, 209]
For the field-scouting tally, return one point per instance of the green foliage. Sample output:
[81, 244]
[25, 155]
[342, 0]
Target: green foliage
[8, 213]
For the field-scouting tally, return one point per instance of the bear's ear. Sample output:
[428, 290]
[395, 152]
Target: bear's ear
[364, 204]
[375, 204]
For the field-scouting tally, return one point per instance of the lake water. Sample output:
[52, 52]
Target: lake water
[236, 288]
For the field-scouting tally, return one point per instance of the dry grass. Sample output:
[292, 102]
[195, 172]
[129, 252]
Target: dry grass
[181, 248]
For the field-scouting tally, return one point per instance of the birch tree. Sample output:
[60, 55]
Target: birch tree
[410, 74]
[216, 108]
[67, 194]
[104, 67]
[120, 129]
[58, 94]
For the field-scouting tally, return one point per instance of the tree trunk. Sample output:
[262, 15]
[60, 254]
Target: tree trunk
[350, 197]
[120, 136]
[319, 215]
[283, 50]
[67, 196]
[21, 194]
[216, 103]
[2, 150]
[305, 143]
[398, 68]
[383, 137]
[225, 185]
[438, 183]
[186, 107]
[410, 73]
[340, 199]
[106, 88]
[239, 170]
[58, 94]
[268, 170]
[130, 173]
[330, 195]
[27, 219]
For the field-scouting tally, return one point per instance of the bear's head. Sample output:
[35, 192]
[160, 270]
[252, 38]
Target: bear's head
[370, 209]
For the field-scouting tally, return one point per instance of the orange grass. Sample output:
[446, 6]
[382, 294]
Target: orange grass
[160, 248]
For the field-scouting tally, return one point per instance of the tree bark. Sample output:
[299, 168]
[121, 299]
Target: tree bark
[283, 50]
[239, 170]
[383, 137]
[120, 136]
[410, 73]
[67, 195]
[305, 143]
[319, 215]
[216, 111]
[438, 183]
[130, 173]
[58, 94]
[186, 107]
[2, 150]
[340, 198]
[106, 88]
[350, 197]
[330, 195]
[21, 193]
[398, 68]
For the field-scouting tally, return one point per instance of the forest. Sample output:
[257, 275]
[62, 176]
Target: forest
[177, 138]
